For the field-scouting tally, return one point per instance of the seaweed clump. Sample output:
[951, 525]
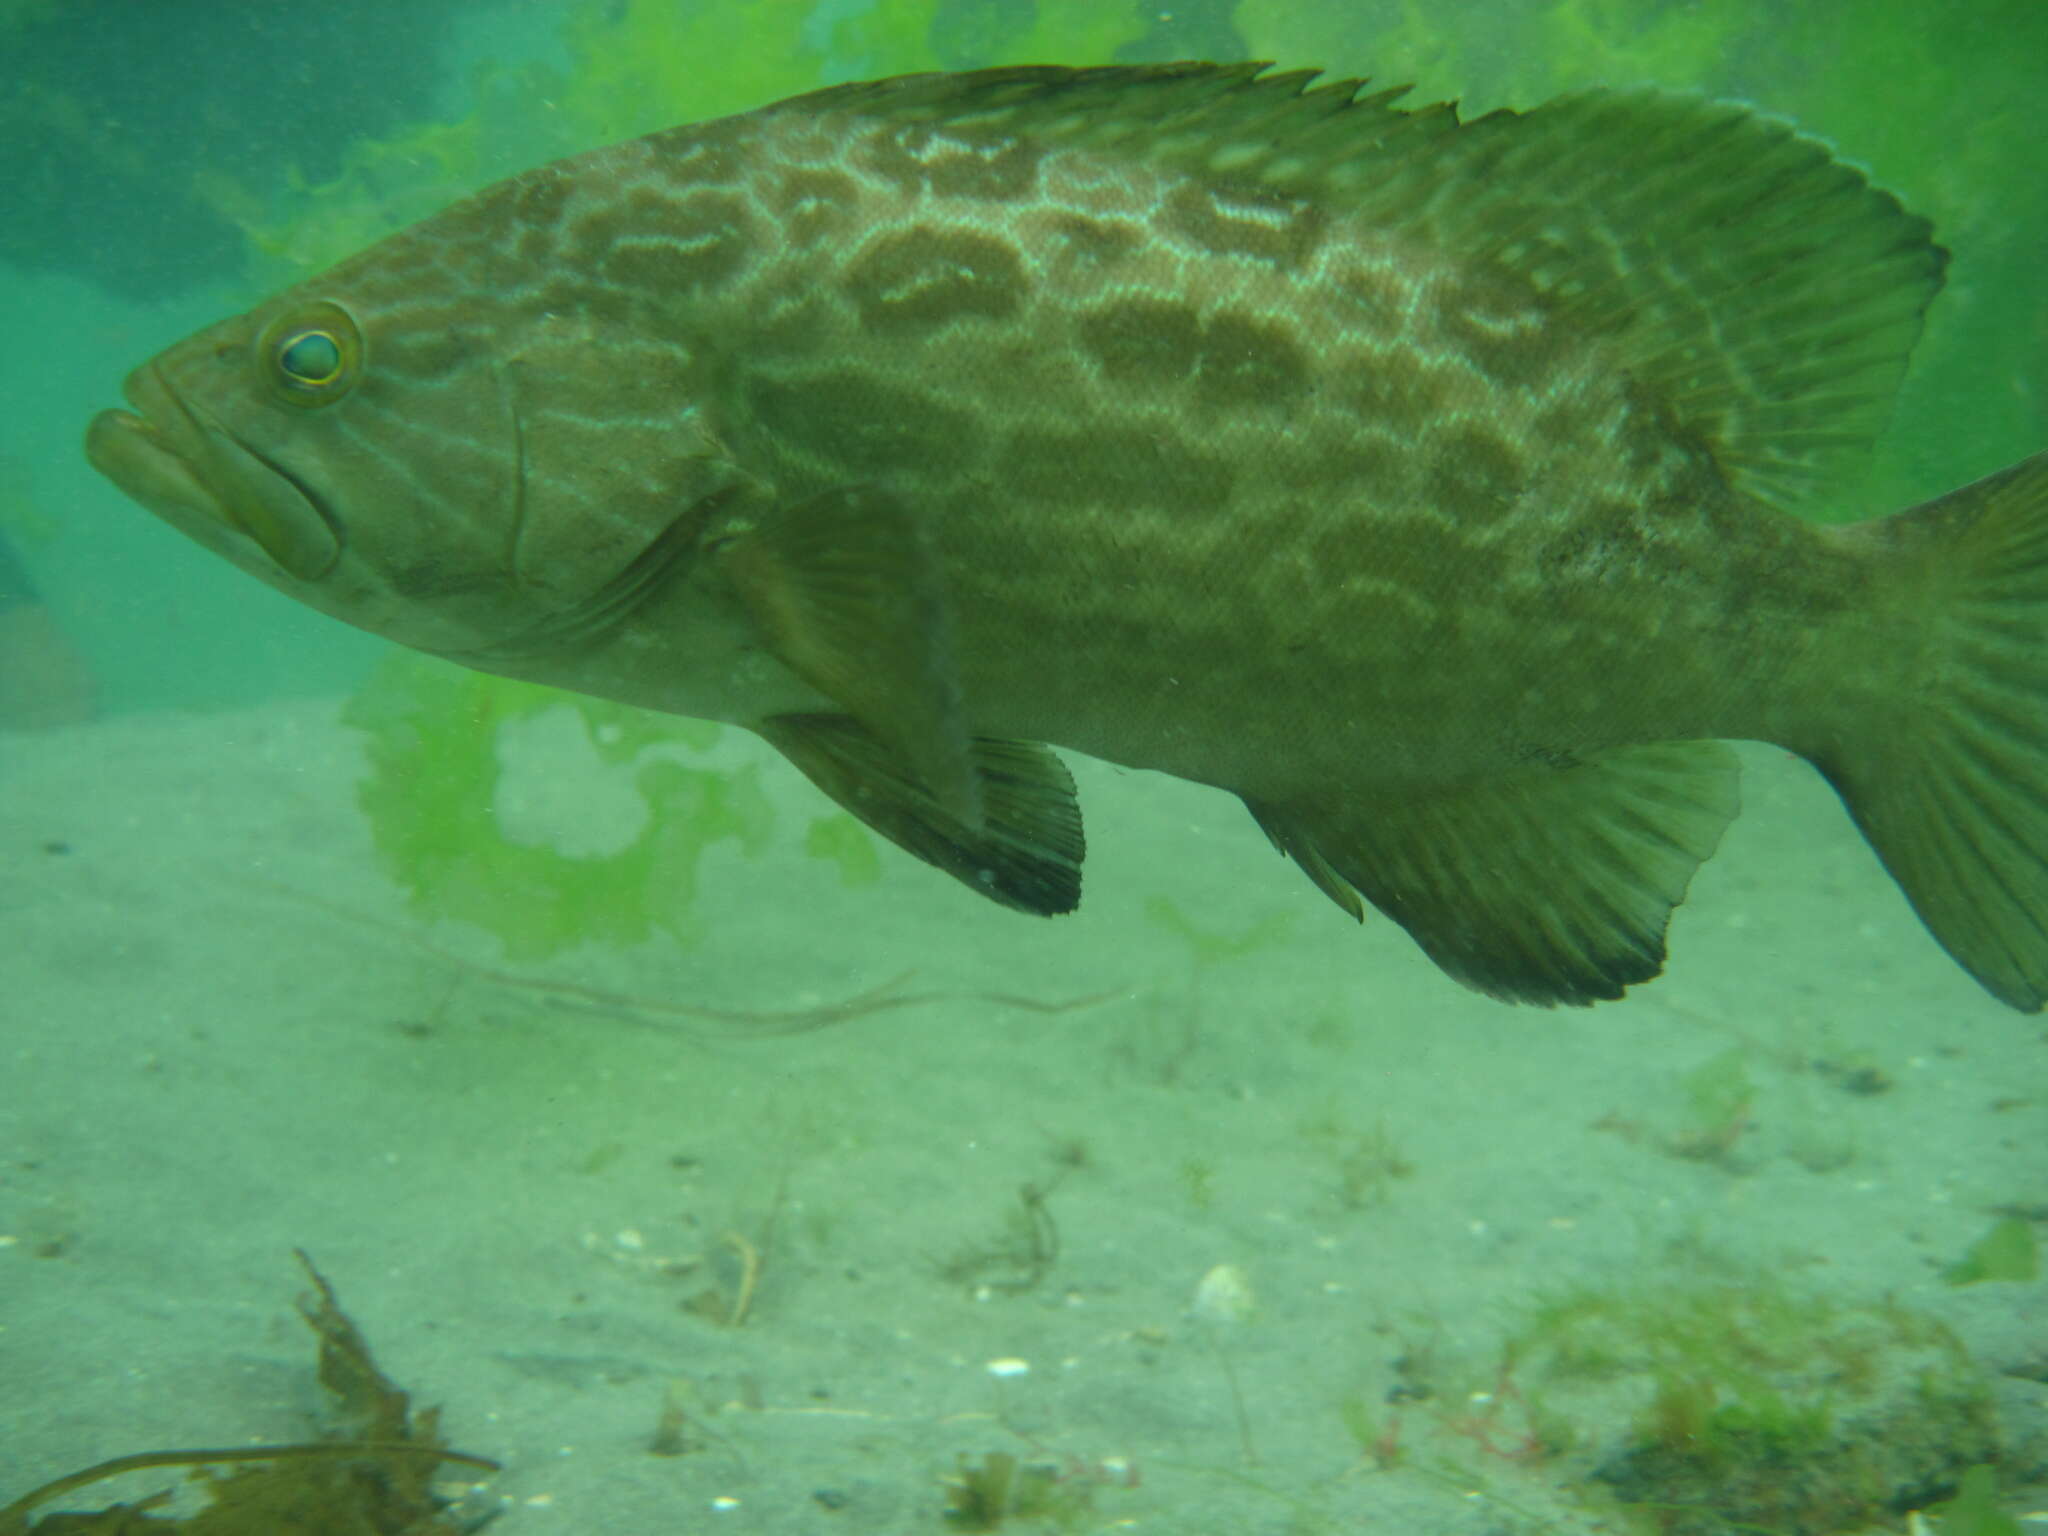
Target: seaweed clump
[375, 1479]
[1000, 1488]
[1750, 1406]
[432, 797]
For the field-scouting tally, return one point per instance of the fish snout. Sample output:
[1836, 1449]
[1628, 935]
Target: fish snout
[182, 462]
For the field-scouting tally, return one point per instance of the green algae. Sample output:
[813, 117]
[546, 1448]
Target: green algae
[433, 741]
[841, 841]
[1974, 1511]
[2006, 1251]
[1749, 1405]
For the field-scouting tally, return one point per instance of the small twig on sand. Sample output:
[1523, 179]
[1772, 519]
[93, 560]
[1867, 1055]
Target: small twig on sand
[750, 1276]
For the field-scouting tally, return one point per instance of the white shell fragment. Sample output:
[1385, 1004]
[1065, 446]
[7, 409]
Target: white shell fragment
[1224, 1295]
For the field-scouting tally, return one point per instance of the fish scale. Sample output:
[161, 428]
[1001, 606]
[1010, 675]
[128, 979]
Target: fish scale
[1151, 490]
[850, 396]
[1423, 482]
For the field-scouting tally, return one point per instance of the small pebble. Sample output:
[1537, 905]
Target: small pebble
[1224, 1295]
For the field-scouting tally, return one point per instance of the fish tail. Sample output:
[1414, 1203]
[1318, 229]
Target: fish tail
[1951, 784]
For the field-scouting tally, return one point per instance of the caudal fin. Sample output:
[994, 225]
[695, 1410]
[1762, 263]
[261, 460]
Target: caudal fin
[1953, 792]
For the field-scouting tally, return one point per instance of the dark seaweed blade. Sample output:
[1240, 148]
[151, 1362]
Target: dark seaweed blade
[120, 1518]
[378, 1482]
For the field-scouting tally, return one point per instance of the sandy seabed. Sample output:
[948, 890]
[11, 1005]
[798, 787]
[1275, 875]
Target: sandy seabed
[223, 1041]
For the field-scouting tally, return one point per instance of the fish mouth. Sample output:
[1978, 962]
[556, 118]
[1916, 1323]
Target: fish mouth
[181, 461]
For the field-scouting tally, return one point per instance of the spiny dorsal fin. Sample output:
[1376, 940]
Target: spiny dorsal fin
[1226, 120]
[1766, 295]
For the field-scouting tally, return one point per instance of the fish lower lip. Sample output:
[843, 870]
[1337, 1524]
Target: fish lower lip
[135, 453]
[176, 459]
[138, 452]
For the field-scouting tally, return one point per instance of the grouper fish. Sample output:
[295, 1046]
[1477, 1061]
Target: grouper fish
[1428, 483]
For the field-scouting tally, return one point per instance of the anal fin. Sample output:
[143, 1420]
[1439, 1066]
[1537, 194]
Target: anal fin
[1552, 885]
[1025, 853]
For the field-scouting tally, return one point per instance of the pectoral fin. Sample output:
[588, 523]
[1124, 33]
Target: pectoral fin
[1026, 853]
[1551, 886]
[848, 595]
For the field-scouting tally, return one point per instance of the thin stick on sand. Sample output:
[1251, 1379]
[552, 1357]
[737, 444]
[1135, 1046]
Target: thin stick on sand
[745, 1023]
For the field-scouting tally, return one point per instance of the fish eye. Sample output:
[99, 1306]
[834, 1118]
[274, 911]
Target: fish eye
[311, 358]
[312, 355]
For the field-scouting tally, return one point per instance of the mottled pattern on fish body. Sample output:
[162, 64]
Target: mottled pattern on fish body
[1422, 482]
[1295, 501]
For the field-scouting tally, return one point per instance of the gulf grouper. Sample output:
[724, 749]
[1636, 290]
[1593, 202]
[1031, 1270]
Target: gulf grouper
[1426, 483]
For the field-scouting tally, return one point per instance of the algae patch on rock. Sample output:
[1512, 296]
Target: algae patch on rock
[1750, 1405]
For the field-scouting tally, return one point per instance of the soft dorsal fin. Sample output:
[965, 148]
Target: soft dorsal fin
[1760, 291]
[1763, 292]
